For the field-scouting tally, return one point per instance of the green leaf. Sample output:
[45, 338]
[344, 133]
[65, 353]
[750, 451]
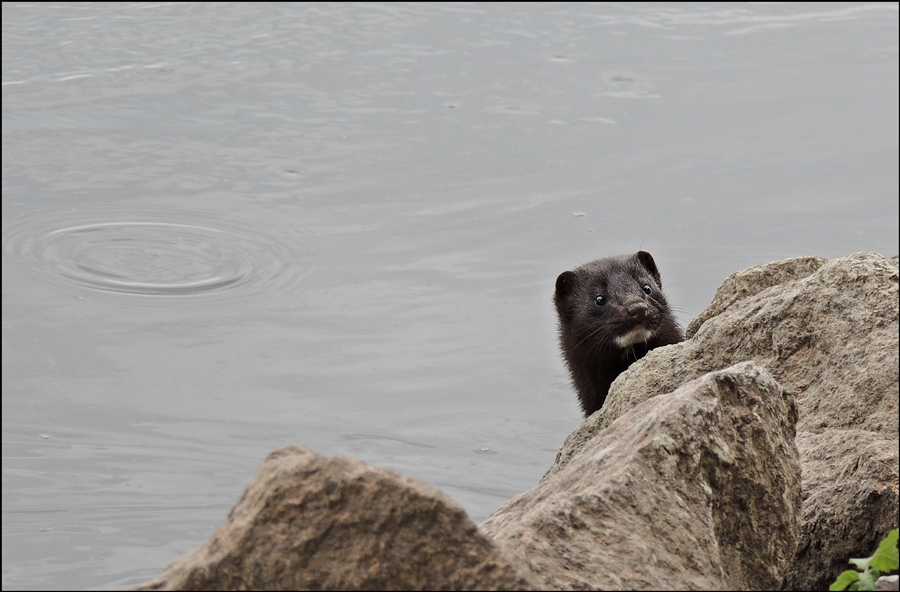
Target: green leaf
[885, 557]
[862, 564]
[867, 579]
[844, 580]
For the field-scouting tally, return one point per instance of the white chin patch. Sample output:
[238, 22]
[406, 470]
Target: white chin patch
[637, 335]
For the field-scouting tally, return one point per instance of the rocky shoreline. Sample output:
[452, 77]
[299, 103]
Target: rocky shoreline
[760, 454]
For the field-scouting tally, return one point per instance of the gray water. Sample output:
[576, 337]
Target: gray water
[227, 228]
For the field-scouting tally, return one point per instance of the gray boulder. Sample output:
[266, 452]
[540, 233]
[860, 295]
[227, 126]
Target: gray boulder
[689, 477]
[828, 332]
[830, 339]
[696, 490]
[850, 502]
[752, 281]
[308, 521]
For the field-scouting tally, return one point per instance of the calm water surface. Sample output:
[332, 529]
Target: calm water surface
[227, 228]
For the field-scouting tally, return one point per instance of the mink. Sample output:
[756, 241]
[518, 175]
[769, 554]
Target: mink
[611, 311]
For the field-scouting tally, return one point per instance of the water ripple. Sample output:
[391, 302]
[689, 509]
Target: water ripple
[164, 256]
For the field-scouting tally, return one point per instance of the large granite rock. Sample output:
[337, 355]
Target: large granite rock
[687, 478]
[829, 338]
[850, 502]
[751, 282]
[828, 332]
[695, 490]
[311, 522]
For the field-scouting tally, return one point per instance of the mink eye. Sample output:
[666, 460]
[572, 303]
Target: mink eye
[647, 289]
[600, 300]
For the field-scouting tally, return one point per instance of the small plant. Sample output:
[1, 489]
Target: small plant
[884, 560]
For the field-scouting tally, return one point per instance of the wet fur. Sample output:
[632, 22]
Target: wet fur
[599, 342]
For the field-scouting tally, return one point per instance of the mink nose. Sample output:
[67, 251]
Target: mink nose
[636, 309]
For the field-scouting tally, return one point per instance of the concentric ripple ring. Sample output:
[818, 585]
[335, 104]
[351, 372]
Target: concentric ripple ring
[162, 257]
[151, 258]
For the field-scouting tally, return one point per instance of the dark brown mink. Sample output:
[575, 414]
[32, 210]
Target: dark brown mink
[612, 311]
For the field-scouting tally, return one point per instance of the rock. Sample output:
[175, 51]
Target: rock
[850, 502]
[829, 334]
[885, 583]
[697, 489]
[314, 522]
[752, 281]
[830, 339]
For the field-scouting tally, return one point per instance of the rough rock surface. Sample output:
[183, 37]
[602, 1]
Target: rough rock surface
[850, 502]
[830, 339]
[313, 522]
[697, 489]
[886, 583]
[752, 281]
[829, 334]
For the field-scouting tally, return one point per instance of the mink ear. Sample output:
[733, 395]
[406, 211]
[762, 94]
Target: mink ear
[564, 284]
[649, 264]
